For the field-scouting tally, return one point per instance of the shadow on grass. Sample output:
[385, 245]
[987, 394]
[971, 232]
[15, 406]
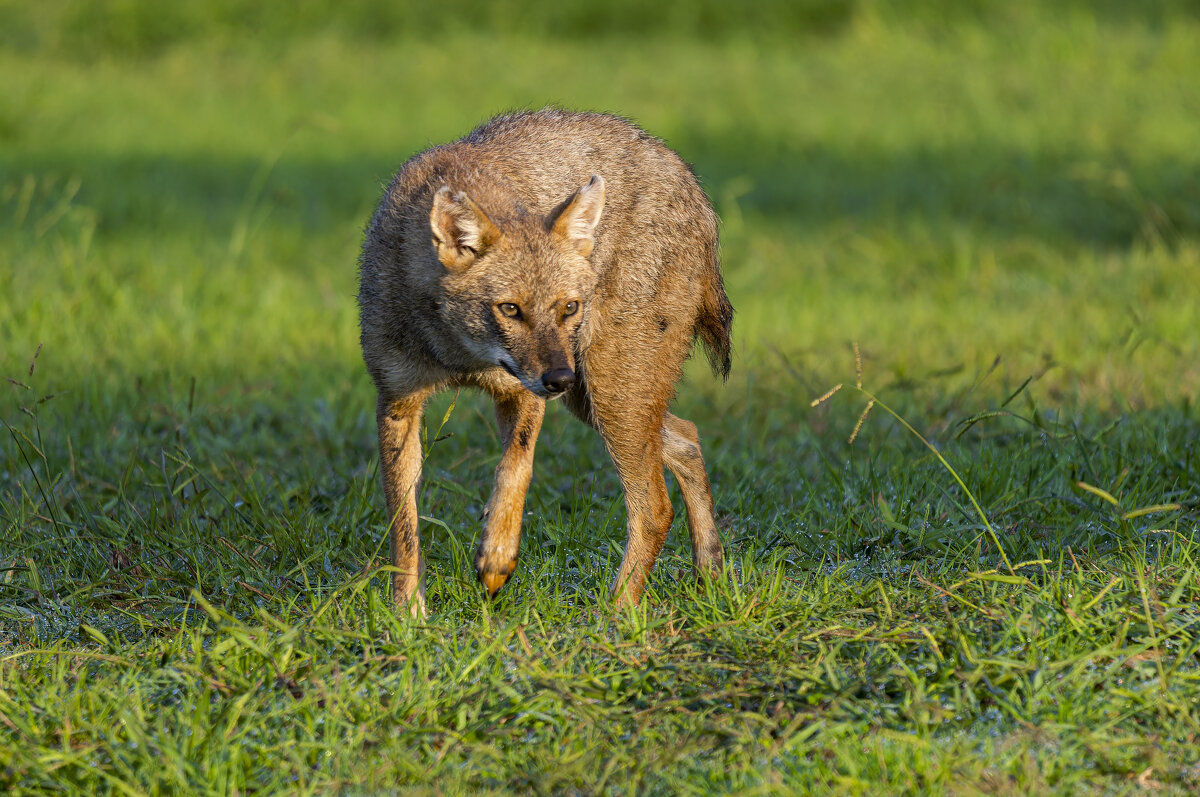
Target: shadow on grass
[1062, 198]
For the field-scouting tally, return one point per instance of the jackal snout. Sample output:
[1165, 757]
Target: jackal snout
[538, 348]
[559, 380]
[553, 364]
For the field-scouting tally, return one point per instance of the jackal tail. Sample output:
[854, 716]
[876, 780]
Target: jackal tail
[714, 326]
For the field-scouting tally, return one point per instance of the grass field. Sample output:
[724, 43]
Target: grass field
[985, 215]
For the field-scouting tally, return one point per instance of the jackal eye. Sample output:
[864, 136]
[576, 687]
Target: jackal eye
[571, 309]
[510, 309]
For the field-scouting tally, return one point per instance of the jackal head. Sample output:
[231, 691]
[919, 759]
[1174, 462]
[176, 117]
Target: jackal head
[516, 288]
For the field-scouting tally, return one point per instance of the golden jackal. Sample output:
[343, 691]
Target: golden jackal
[547, 254]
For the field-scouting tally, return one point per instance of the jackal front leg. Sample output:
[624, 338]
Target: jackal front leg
[399, 423]
[520, 418]
[634, 440]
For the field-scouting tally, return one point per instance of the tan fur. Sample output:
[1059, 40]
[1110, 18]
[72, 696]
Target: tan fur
[547, 253]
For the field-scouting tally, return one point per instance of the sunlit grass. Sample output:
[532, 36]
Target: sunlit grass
[999, 209]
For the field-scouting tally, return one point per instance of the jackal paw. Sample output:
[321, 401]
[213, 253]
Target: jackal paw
[417, 607]
[493, 572]
[410, 602]
[707, 558]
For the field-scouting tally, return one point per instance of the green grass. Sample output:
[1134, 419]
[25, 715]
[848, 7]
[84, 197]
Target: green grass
[977, 194]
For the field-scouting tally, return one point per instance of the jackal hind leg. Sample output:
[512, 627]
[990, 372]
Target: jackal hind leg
[681, 452]
[399, 421]
[520, 419]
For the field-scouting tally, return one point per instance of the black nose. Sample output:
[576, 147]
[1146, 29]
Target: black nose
[558, 380]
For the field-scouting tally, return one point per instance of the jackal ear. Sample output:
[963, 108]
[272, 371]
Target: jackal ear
[576, 222]
[461, 231]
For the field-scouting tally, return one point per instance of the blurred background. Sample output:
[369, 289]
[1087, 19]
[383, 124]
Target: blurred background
[183, 186]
